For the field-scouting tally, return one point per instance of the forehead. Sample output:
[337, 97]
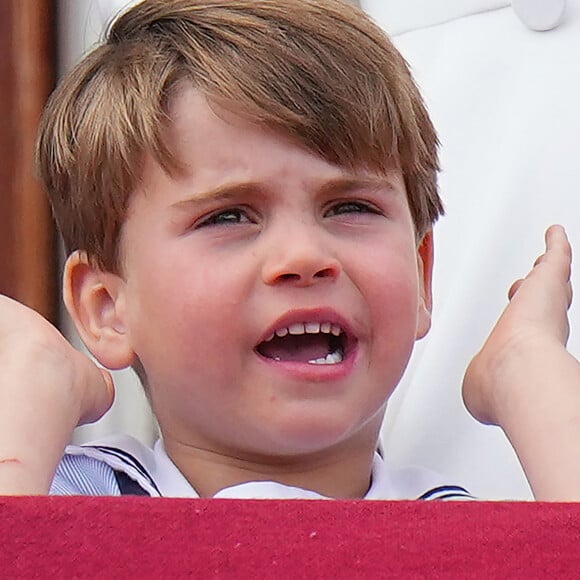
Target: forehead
[214, 145]
[191, 113]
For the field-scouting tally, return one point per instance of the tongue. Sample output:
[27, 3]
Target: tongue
[301, 348]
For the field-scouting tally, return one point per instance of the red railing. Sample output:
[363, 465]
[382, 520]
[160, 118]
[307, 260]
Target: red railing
[173, 538]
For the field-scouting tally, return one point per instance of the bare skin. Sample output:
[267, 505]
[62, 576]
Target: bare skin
[48, 388]
[525, 380]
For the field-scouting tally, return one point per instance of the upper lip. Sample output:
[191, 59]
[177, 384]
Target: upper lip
[305, 316]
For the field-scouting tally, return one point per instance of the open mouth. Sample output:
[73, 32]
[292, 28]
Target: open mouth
[314, 343]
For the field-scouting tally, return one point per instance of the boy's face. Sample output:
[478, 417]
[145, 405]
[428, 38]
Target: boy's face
[256, 239]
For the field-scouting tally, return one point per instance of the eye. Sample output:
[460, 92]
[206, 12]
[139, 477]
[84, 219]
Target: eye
[226, 217]
[349, 207]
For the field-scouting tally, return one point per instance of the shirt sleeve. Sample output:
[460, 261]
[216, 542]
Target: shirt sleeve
[81, 475]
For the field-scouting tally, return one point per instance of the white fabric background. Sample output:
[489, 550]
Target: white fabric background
[506, 102]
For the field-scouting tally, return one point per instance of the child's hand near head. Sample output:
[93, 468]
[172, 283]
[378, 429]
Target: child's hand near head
[525, 381]
[535, 322]
[48, 388]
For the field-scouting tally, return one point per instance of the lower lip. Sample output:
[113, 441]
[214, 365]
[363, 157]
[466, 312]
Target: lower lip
[306, 372]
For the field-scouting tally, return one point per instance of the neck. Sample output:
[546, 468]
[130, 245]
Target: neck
[342, 472]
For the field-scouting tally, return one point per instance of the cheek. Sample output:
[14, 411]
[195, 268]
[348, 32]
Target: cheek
[394, 301]
[392, 278]
[181, 312]
[396, 312]
[190, 281]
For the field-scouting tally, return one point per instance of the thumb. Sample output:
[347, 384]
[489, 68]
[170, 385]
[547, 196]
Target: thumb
[108, 379]
[101, 395]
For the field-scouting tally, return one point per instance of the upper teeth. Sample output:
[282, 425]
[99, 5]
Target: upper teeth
[307, 328]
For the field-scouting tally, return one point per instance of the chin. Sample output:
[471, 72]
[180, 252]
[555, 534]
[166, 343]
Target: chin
[314, 435]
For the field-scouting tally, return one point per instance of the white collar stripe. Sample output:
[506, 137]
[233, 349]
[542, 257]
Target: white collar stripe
[154, 471]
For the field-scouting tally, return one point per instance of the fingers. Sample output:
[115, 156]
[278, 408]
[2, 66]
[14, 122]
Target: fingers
[108, 392]
[559, 255]
[108, 382]
[99, 396]
[555, 262]
[514, 288]
[558, 250]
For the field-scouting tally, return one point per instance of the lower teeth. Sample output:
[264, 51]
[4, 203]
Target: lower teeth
[330, 359]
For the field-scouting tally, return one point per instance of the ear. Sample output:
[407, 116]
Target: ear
[95, 300]
[425, 270]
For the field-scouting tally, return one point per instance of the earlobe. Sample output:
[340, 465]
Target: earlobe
[425, 271]
[95, 301]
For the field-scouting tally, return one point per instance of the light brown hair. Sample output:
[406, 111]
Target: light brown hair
[318, 71]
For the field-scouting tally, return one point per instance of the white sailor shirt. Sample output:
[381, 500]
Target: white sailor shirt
[121, 465]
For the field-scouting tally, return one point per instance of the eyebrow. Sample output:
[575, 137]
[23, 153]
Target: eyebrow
[351, 184]
[339, 185]
[225, 192]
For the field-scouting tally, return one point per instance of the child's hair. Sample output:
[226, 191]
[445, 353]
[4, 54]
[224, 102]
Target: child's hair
[317, 71]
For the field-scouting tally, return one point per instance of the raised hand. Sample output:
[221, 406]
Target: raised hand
[525, 381]
[47, 388]
[533, 325]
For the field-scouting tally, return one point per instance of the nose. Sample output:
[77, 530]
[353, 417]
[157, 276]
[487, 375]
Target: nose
[300, 258]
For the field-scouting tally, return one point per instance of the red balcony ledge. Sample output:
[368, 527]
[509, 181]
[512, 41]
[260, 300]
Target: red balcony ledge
[88, 537]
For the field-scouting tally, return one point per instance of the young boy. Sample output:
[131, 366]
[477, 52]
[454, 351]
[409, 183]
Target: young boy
[246, 190]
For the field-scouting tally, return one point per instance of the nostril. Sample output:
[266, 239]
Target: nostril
[325, 273]
[289, 277]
